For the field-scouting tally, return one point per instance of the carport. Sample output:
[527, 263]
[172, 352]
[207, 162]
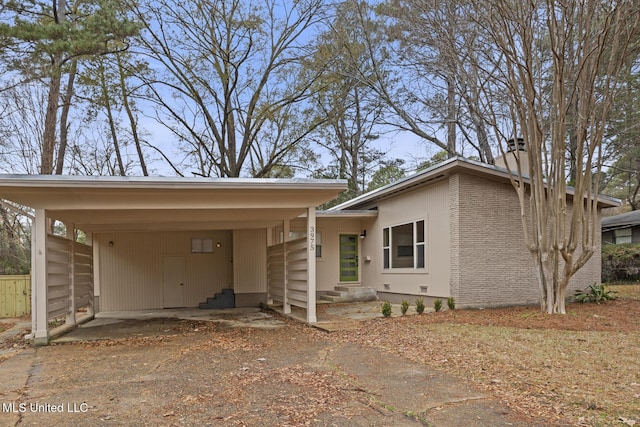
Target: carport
[63, 269]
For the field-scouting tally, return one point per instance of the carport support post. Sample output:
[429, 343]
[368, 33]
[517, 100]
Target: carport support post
[311, 265]
[39, 276]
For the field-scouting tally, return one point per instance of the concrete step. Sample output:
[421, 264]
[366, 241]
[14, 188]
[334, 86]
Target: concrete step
[350, 293]
[347, 288]
[334, 298]
[225, 299]
[335, 293]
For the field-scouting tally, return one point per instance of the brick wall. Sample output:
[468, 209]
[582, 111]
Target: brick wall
[490, 262]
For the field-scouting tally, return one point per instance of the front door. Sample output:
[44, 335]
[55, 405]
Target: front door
[348, 257]
[173, 281]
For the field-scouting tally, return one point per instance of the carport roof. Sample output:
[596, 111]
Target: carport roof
[98, 203]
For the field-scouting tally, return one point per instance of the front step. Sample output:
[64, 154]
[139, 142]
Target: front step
[226, 299]
[350, 293]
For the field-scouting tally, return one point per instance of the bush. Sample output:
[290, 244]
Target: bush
[437, 304]
[621, 263]
[451, 303]
[595, 293]
[386, 309]
[419, 306]
[404, 306]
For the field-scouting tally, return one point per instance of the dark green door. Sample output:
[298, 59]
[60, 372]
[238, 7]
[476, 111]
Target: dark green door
[348, 257]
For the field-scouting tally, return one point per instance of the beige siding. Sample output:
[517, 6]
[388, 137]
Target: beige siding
[250, 261]
[430, 204]
[490, 262]
[131, 268]
[328, 265]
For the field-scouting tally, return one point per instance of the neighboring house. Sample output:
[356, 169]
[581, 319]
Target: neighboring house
[453, 230]
[623, 228]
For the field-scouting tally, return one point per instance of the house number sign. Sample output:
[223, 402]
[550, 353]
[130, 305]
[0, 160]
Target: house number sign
[312, 238]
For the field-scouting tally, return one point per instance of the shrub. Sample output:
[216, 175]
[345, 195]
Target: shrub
[451, 303]
[621, 263]
[419, 306]
[437, 304]
[386, 309]
[404, 306]
[595, 293]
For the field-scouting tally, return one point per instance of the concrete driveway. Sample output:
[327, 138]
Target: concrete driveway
[186, 370]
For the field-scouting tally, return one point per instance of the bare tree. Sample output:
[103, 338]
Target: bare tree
[22, 127]
[229, 81]
[556, 63]
[15, 241]
[421, 73]
[622, 159]
[351, 111]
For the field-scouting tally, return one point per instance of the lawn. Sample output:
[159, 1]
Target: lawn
[582, 368]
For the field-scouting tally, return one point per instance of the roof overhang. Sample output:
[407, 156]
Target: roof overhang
[101, 204]
[624, 220]
[440, 172]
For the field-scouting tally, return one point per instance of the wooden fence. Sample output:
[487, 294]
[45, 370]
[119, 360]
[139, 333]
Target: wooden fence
[15, 296]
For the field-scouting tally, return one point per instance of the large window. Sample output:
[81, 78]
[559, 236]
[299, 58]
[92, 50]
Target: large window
[403, 246]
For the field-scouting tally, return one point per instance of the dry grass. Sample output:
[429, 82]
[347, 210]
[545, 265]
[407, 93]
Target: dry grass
[631, 291]
[578, 369]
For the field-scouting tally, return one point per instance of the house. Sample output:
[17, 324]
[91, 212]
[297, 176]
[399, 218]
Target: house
[453, 230]
[623, 228]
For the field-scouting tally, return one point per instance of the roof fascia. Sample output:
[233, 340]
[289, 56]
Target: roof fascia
[448, 166]
[66, 181]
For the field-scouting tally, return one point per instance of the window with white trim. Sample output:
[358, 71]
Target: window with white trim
[403, 246]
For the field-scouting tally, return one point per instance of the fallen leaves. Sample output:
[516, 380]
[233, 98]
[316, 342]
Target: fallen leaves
[550, 367]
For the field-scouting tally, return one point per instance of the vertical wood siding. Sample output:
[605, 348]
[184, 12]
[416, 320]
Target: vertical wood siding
[131, 268]
[250, 261]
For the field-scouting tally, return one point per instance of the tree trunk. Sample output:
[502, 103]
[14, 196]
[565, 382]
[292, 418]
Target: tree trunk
[66, 106]
[51, 121]
[112, 125]
[51, 115]
[132, 119]
[451, 117]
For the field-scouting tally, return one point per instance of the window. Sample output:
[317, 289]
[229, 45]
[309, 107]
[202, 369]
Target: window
[623, 235]
[201, 245]
[403, 246]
